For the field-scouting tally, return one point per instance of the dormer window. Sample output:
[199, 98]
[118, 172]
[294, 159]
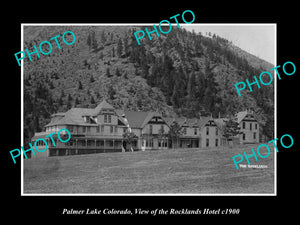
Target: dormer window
[86, 119]
[93, 120]
[107, 118]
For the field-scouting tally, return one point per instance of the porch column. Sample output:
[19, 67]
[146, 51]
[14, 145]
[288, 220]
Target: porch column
[76, 151]
[104, 146]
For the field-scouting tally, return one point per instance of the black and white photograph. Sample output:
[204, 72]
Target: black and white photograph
[109, 112]
[144, 111]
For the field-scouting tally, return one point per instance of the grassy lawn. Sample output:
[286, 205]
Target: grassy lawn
[180, 171]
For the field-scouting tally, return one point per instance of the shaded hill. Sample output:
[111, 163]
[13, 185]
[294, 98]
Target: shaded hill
[179, 73]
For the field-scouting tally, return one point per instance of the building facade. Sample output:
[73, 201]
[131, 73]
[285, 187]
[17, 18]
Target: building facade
[102, 129]
[210, 133]
[249, 127]
[92, 131]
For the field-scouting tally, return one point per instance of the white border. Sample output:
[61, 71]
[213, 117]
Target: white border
[146, 24]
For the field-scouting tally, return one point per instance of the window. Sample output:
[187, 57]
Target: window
[217, 142]
[207, 130]
[151, 143]
[254, 135]
[207, 142]
[88, 129]
[184, 130]
[195, 131]
[244, 125]
[107, 118]
[70, 128]
[151, 129]
[97, 143]
[250, 126]
[244, 137]
[83, 129]
[146, 143]
[255, 126]
[111, 129]
[97, 129]
[89, 142]
[124, 129]
[166, 143]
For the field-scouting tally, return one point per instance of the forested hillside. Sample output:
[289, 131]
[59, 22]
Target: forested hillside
[181, 73]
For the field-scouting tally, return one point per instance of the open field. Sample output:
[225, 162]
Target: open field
[180, 171]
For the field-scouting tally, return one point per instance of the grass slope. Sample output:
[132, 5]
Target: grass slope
[166, 171]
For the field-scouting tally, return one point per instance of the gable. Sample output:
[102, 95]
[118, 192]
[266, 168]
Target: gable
[135, 119]
[210, 123]
[104, 107]
[245, 116]
[250, 118]
[157, 120]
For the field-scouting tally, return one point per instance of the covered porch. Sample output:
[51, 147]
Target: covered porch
[78, 146]
[189, 142]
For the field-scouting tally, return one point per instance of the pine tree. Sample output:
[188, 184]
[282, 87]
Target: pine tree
[89, 41]
[103, 37]
[175, 98]
[126, 47]
[60, 101]
[79, 85]
[92, 79]
[119, 48]
[108, 72]
[174, 133]
[118, 74]
[94, 43]
[92, 100]
[76, 101]
[62, 94]
[70, 98]
[111, 93]
[231, 129]
[113, 52]
[191, 86]
[129, 138]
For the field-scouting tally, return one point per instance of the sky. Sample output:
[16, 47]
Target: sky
[257, 39]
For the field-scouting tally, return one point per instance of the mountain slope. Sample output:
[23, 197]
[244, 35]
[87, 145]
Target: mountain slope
[179, 73]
